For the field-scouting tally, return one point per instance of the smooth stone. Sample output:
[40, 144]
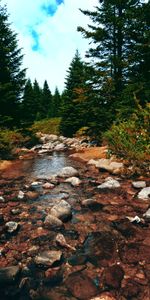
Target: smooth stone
[139, 184]
[48, 185]
[2, 200]
[36, 184]
[62, 210]
[88, 202]
[8, 275]
[144, 194]
[68, 172]
[21, 195]
[15, 211]
[60, 147]
[52, 221]
[48, 258]
[60, 240]
[107, 165]
[147, 214]
[75, 181]
[109, 183]
[11, 226]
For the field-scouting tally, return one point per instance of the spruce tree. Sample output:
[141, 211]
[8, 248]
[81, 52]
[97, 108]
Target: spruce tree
[46, 101]
[74, 97]
[56, 103]
[12, 75]
[27, 105]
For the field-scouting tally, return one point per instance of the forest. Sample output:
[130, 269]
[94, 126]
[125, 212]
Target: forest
[106, 96]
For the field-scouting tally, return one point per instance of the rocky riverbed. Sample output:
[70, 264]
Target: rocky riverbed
[73, 230]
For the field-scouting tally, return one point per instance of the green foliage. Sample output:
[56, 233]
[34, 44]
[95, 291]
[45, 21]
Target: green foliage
[12, 76]
[9, 140]
[131, 139]
[50, 126]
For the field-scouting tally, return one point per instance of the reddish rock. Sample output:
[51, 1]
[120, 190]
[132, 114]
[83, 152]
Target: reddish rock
[81, 286]
[113, 276]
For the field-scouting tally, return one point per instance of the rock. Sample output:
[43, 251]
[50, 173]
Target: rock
[144, 194]
[60, 147]
[32, 195]
[2, 200]
[52, 221]
[147, 214]
[36, 184]
[104, 296]
[11, 226]
[113, 276]
[15, 211]
[8, 275]
[1, 219]
[75, 181]
[89, 202]
[21, 195]
[48, 258]
[139, 184]
[60, 240]
[48, 185]
[81, 286]
[107, 165]
[52, 137]
[62, 210]
[43, 151]
[109, 183]
[68, 172]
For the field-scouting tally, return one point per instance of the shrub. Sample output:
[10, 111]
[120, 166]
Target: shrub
[130, 139]
[49, 126]
[8, 141]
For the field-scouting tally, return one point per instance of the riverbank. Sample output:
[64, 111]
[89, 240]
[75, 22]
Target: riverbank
[66, 229]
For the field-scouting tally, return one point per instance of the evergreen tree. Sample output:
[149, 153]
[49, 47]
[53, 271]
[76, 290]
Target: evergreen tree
[37, 107]
[12, 76]
[56, 103]
[46, 102]
[74, 97]
[27, 105]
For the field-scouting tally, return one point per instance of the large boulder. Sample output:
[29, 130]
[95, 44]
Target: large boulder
[68, 172]
[107, 165]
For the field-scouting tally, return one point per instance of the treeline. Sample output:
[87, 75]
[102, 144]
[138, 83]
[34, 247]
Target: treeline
[111, 86]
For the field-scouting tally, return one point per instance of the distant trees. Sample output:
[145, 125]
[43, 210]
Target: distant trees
[12, 75]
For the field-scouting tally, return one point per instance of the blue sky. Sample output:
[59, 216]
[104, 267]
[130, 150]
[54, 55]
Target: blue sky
[47, 35]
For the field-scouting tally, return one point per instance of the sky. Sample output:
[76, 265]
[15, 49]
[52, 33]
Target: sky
[47, 34]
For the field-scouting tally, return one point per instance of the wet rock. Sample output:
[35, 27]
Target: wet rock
[8, 275]
[144, 194]
[109, 183]
[68, 172]
[60, 147]
[139, 184]
[15, 211]
[62, 210]
[48, 258]
[2, 200]
[105, 296]
[113, 276]
[100, 248]
[60, 240]
[79, 258]
[75, 181]
[107, 165]
[21, 195]
[11, 226]
[36, 184]
[147, 214]
[89, 202]
[32, 195]
[48, 185]
[52, 221]
[81, 286]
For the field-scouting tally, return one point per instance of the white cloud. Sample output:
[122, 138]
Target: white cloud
[58, 36]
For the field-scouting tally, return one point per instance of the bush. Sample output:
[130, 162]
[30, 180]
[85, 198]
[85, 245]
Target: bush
[130, 139]
[49, 126]
[8, 141]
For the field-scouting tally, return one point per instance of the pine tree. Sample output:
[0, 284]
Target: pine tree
[12, 76]
[56, 103]
[46, 102]
[74, 97]
[37, 107]
[27, 105]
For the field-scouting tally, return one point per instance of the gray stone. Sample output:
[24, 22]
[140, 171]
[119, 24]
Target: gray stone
[62, 210]
[147, 214]
[139, 184]
[21, 195]
[68, 172]
[75, 181]
[8, 275]
[11, 226]
[108, 165]
[144, 194]
[88, 202]
[52, 221]
[60, 147]
[2, 200]
[48, 185]
[109, 183]
[48, 258]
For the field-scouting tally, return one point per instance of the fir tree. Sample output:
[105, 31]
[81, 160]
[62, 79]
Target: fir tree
[27, 105]
[46, 102]
[56, 103]
[12, 76]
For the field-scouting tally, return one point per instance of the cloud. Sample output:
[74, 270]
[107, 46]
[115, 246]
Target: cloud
[49, 41]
